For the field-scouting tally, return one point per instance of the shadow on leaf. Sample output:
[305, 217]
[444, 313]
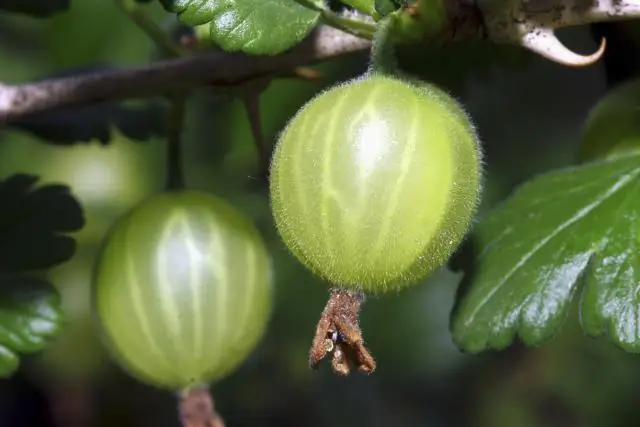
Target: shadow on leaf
[96, 122]
[35, 8]
[33, 224]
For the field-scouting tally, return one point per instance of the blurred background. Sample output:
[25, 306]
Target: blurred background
[529, 113]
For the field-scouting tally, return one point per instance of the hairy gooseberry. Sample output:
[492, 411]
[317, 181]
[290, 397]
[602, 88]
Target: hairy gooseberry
[373, 185]
[182, 289]
[374, 182]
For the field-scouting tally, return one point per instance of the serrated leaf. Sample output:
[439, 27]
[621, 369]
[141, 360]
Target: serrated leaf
[89, 123]
[534, 249]
[30, 316]
[35, 8]
[256, 27]
[34, 223]
[92, 123]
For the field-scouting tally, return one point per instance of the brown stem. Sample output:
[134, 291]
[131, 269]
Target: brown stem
[197, 409]
[251, 101]
[338, 332]
[219, 69]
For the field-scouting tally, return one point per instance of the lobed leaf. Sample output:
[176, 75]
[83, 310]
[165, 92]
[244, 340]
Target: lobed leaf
[532, 252]
[34, 223]
[30, 316]
[255, 27]
[35, 8]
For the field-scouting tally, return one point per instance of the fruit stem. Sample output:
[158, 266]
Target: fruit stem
[251, 101]
[160, 38]
[197, 408]
[338, 332]
[175, 177]
[382, 57]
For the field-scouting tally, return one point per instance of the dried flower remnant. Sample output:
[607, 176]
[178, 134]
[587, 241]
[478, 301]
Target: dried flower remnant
[339, 333]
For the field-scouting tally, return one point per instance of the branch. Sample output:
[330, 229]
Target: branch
[531, 24]
[217, 69]
[526, 23]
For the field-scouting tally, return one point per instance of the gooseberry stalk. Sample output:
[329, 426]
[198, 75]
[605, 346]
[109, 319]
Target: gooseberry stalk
[373, 185]
[382, 55]
[175, 174]
[338, 331]
[159, 37]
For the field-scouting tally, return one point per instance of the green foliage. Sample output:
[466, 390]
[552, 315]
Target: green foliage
[613, 124]
[95, 123]
[253, 26]
[30, 315]
[581, 224]
[35, 8]
[32, 227]
[384, 7]
[366, 6]
[33, 223]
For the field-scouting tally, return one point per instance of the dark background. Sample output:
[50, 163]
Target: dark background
[529, 112]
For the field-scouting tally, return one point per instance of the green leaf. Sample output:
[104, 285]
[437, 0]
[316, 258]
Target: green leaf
[35, 8]
[612, 127]
[581, 222]
[384, 7]
[33, 223]
[366, 6]
[30, 316]
[256, 27]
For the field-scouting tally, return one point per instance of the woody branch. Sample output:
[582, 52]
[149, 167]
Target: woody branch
[527, 23]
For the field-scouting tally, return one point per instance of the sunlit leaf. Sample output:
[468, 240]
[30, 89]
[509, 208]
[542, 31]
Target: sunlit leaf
[533, 251]
[252, 26]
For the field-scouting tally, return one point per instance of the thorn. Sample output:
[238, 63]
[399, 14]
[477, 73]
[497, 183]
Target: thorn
[544, 42]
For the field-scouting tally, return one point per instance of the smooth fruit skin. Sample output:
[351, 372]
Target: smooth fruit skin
[182, 289]
[374, 182]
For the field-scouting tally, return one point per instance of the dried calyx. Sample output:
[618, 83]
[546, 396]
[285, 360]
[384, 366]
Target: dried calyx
[197, 408]
[338, 333]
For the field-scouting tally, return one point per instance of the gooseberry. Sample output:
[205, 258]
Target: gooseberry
[182, 289]
[374, 182]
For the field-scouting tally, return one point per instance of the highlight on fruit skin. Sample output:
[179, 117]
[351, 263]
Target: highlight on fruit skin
[374, 182]
[182, 289]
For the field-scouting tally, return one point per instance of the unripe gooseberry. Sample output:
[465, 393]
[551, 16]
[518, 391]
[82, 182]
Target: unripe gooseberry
[612, 127]
[182, 289]
[374, 182]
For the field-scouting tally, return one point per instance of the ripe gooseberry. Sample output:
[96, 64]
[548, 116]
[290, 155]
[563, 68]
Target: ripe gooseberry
[182, 289]
[374, 182]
